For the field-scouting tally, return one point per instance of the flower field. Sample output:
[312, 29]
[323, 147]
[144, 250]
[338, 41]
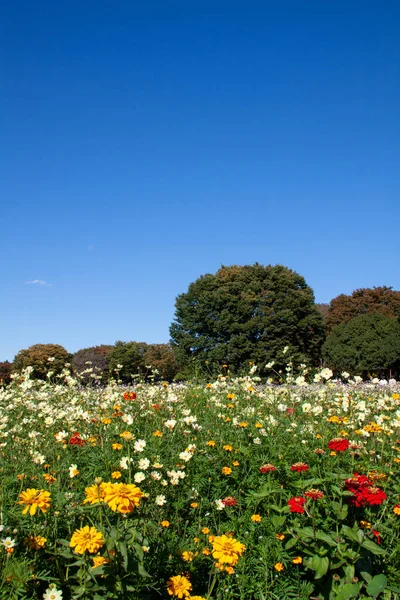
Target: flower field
[225, 490]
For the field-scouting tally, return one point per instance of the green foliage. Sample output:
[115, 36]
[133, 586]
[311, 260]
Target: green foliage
[40, 357]
[382, 300]
[247, 313]
[95, 358]
[368, 343]
[5, 372]
[162, 358]
[132, 358]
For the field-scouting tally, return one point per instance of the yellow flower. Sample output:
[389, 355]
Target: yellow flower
[208, 386]
[365, 524]
[206, 552]
[95, 493]
[35, 542]
[230, 570]
[243, 424]
[397, 460]
[158, 433]
[235, 463]
[49, 478]
[34, 499]
[127, 435]
[280, 536]
[165, 523]
[227, 549]
[226, 470]
[230, 396]
[122, 497]
[396, 509]
[279, 566]
[98, 561]
[210, 443]
[259, 425]
[116, 474]
[87, 538]
[205, 530]
[117, 446]
[187, 556]
[297, 560]
[196, 598]
[256, 518]
[194, 504]
[228, 447]
[179, 586]
[106, 421]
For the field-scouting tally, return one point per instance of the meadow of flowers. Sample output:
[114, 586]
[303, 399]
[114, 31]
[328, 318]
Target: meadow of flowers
[228, 489]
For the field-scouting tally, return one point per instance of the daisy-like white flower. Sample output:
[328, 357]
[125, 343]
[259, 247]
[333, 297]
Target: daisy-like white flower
[160, 500]
[139, 445]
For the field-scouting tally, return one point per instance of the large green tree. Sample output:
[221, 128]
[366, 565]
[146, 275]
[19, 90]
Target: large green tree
[247, 313]
[383, 300]
[95, 358]
[367, 344]
[43, 358]
[130, 356]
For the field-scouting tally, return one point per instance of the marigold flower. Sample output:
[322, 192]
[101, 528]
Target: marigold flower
[210, 443]
[158, 433]
[187, 556]
[194, 504]
[280, 536]
[396, 509]
[296, 504]
[117, 446]
[165, 523]
[235, 463]
[35, 542]
[228, 448]
[49, 478]
[338, 444]
[129, 396]
[227, 549]
[299, 466]
[278, 567]
[256, 518]
[116, 474]
[206, 552]
[179, 586]
[267, 468]
[229, 570]
[87, 538]
[226, 470]
[205, 530]
[95, 493]
[98, 561]
[297, 560]
[314, 494]
[127, 435]
[122, 497]
[34, 499]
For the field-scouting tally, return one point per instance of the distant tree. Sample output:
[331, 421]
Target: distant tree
[131, 355]
[247, 313]
[96, 358]
[323, 309]
[5, 372]
[367, 344]
[162, 357]
[383, 300]
[43, 358]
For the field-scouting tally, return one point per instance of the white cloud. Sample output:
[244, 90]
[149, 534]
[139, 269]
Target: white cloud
[38, 282]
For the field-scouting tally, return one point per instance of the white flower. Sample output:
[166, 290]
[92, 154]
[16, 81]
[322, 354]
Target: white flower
[170, 424]
[52, 593]
[139, 477]
[155, 475]
[8, 542]
[219, 504]
[143, 464]
[345, 375]
[185, 456]
[51, 359]
[128, 419]
[257, 441]
[124, 462]
[326, 374]
[160, 500]
[61, 435]
[38, 459]
[306, 407]
[139, 445]
[73, 471]
[270, 364]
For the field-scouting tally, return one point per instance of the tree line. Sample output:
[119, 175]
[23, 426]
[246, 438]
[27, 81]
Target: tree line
[241, 314]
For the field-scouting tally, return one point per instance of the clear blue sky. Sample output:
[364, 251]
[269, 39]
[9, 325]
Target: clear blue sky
[144, 144]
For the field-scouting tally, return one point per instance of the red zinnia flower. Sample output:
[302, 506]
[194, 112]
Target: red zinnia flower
[229, 501]
[338, 444]
[267, 468]
[377, 536]
[314, 494]
[299, 466]
[76, 440]
[297, 504]
[373, 495]
[129, 396]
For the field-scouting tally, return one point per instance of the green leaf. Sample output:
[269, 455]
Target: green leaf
[349, 573]
[356, 535]
[366, 576]
[142, 571]
[124, 552]
[318, 564]
[377, 585]
[278, 521]
[324, 537]
[348, 590]
[305, 532]
[372, 547]
[290, 543]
